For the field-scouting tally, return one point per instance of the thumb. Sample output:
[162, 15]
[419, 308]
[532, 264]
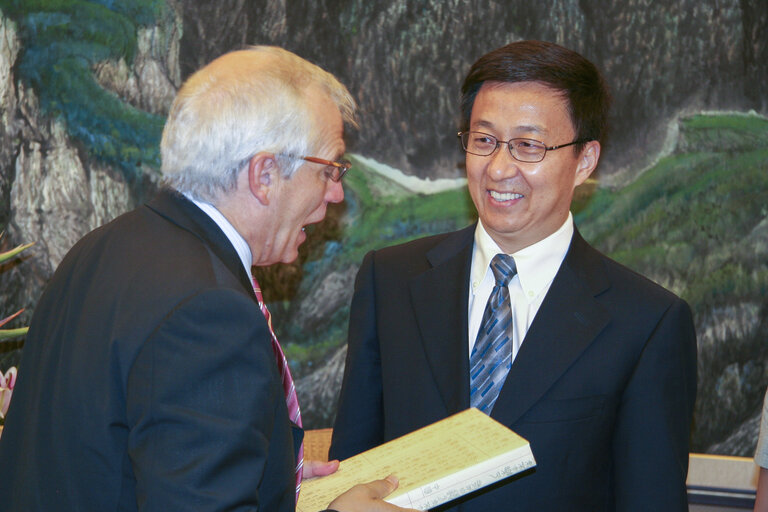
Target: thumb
[381, 488]
[313, 468]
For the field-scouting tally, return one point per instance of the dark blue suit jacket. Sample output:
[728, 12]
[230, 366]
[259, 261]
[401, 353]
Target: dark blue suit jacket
[148, 379]
[603, 386]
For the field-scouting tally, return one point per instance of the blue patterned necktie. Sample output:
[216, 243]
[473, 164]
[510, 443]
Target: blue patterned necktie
[491, 356]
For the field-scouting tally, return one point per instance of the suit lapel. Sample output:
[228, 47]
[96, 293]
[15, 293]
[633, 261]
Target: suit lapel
[439, 298]
[182, 212]
[566, 324]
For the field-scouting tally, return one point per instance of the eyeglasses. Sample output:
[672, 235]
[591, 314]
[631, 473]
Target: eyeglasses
[523, 150]
[333, 170]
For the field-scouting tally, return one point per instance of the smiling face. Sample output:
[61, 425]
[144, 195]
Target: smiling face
[521, 203]
[303, 198]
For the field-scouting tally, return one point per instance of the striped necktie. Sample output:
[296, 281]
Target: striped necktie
[491, 356]
[289, 388]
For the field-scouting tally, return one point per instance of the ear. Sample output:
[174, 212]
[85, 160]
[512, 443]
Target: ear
[262, 176]
[587, 162]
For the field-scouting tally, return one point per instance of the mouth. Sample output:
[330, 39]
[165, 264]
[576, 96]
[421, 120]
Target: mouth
[505, 196]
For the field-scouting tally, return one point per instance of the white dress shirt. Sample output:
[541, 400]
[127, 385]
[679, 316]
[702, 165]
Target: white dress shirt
[536, 265]
[235, 238]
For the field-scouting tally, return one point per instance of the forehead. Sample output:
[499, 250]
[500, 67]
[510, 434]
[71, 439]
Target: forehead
[520, 107]
[328, 121]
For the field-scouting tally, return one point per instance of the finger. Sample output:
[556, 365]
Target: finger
[381, 488]
[392, 481]
[314, 468]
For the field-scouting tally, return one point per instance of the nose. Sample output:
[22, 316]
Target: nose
[334, 192]
[502, 164]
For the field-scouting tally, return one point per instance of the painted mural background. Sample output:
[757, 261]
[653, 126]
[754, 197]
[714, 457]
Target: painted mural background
[681, 193]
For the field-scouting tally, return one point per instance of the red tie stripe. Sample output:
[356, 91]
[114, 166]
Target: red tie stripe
[291, 400]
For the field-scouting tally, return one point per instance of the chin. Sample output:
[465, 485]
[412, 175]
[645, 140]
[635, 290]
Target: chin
[289, 258]
[289, 255]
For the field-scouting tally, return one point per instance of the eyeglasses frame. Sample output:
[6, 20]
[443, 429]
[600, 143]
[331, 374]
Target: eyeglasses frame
[342, 165]
[499, 142]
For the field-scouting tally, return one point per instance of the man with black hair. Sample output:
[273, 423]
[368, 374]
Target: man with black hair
[520, 317]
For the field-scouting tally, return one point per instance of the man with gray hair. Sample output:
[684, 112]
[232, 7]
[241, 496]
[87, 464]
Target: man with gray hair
[151, 378]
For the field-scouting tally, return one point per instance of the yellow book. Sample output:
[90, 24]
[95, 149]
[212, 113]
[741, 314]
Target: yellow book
[435, 464]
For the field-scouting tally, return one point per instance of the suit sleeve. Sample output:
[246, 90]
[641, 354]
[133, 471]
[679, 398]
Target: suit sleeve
[652, 432]
[360, 418]
[201, 400]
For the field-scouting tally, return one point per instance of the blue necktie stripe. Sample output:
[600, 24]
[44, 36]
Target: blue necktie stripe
[489, 368]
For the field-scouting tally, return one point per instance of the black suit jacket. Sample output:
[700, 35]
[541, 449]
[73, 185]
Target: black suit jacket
[148, 379]
[603, 385]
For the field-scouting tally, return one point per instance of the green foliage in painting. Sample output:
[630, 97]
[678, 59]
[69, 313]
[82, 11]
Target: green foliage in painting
[63, 40]
[6, 256]
[688, 222]
[381, 221]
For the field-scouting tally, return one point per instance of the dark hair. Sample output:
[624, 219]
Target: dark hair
[561, 69]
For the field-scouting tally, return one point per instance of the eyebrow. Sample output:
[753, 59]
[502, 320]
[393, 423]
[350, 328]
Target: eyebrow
[538, 130]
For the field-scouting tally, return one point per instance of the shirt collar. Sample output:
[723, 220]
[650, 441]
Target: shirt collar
[235, 238]
[536, 264]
